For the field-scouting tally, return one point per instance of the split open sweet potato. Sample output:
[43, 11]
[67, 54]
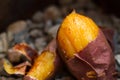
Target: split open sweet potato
[84, 48]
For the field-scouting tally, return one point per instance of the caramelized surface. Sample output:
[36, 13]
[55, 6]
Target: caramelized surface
[10, 69]
[43, 66]
[75, 33]
[26, 50]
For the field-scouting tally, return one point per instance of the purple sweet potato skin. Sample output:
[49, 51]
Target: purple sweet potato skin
[109, 34]
[97, 57]
[28, 78]
[79, 67]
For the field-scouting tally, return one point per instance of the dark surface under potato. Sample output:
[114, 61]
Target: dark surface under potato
[96, 57]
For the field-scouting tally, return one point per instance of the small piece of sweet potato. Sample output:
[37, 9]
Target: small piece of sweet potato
[18, 52]
[19, 69]
[45, 64]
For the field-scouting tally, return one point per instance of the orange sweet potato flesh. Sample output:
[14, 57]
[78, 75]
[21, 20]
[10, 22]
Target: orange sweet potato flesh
[45, 65]
[19, 69]
[75, 33]
[84, 48]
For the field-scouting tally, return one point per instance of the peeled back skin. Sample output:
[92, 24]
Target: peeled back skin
[84, 48]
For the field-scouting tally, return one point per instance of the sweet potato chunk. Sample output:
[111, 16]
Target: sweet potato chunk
[45, 65]
[19, 69]
[16, 54]
[84, 48]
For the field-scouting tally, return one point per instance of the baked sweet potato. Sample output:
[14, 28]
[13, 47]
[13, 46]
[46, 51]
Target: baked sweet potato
[46, 65]
[84, 48]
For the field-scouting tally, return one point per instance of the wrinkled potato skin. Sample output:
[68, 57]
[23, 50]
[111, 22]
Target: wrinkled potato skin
[97, 57]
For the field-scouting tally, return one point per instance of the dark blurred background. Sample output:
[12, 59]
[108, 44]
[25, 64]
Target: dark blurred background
[12, 10]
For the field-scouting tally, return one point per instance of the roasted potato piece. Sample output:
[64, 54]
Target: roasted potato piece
[27, 51]
[45, 65]
[84, 48]
[16, 54]
[19, 69]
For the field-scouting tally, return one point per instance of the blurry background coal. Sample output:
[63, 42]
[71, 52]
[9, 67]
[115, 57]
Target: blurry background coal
[12, 10]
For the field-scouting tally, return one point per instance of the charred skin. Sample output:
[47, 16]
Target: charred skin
[19, 51]
[84, 48]
[27, 51]
[45, 65]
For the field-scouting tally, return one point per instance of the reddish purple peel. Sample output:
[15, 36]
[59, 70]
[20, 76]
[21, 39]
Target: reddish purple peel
[79, 68]
[97, 57]
[28, 78]
[109, 34]
[52, 46]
